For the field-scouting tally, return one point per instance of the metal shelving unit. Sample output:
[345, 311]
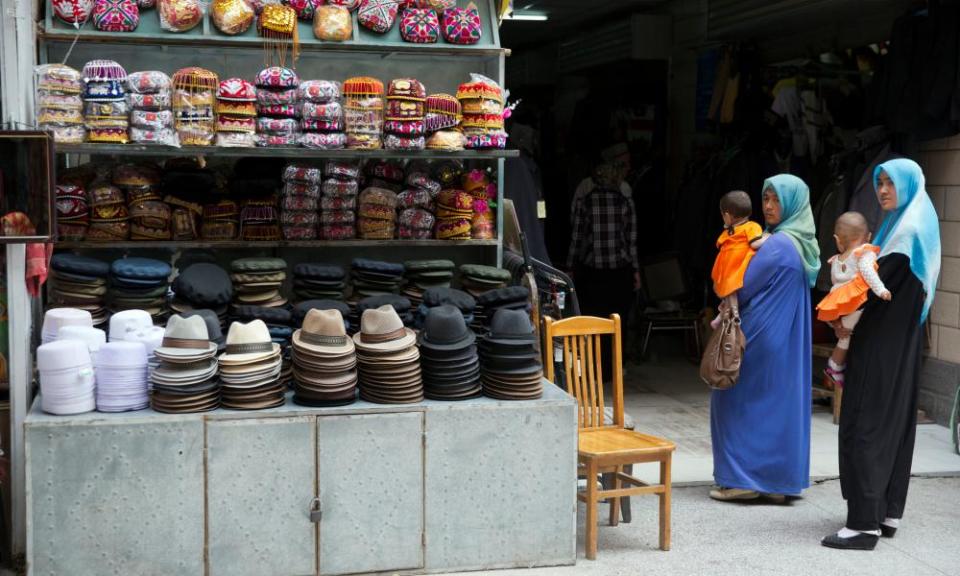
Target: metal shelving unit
[170, 151]
[237, 244]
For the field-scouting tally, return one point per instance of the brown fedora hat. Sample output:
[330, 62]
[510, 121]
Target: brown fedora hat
[382, 330]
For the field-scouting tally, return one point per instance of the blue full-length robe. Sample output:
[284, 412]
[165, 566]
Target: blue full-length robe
[761, 426]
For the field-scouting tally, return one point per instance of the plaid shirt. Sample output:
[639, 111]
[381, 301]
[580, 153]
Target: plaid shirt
[604, 232]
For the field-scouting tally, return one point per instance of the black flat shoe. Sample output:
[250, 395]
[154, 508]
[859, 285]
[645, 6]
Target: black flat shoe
[858, 542]
[887, 531]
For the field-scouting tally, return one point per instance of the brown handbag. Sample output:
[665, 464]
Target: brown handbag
[720, 365]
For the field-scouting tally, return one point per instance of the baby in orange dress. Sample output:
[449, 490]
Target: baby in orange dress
[854, 274]
[740, 240]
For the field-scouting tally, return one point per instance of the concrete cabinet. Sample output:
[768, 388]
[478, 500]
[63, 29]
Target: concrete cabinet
[430, 487]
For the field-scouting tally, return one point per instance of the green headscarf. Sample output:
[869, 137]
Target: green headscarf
[797, 220]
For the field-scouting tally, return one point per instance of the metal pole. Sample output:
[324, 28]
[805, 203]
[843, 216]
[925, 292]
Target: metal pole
[20, 365]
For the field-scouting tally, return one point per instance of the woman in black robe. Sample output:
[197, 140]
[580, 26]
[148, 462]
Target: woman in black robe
[878, 419]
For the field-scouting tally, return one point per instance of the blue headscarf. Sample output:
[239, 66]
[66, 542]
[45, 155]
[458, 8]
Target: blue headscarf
[797, 220]
[913, 228]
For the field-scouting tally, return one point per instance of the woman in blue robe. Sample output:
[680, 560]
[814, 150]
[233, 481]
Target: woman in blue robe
[761, 426]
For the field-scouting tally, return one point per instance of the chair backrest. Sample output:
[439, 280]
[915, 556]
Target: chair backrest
[663, 278]
[581, 338]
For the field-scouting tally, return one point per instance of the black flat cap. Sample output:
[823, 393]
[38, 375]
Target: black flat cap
[459, 299]
[204, 286]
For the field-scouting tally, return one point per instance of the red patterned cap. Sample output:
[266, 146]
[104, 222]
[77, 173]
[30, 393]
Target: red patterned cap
[237, 89]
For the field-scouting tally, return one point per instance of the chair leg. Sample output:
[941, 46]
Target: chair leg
[665, 502]
[590, 540]
[625, 501]
[615, 501]
[836, 402]
[646, 339]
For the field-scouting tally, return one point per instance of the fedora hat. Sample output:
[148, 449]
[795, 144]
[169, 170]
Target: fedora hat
[248, 343]
[214, 331]
[323, 333]
[382, 330]
[510, 328]
[186, 338]
[445, 329]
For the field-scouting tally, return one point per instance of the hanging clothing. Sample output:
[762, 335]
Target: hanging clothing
[816, 119]
[787, 105]
[761, 427]
[797, 220]
[878, 419]
[832, 204]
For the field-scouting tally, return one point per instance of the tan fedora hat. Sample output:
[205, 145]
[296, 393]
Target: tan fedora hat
[323, 333]
[248, 343]
[382, 330]
[186, 338]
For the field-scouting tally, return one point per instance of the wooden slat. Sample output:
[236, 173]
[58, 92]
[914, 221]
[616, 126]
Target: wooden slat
[586, 363]
[581, 325]
[599, 366]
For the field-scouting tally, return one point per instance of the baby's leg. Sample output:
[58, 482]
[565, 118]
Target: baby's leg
[849, 322]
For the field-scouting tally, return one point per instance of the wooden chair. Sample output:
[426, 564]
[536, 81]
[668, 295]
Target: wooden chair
[605, 449]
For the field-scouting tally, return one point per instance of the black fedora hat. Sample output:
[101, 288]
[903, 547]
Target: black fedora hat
[444, 358]
[444, 329]
[510, 328]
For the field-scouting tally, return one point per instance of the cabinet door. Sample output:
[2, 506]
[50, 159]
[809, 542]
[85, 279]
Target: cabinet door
[115, 498]
[261, 477]
[371, 490]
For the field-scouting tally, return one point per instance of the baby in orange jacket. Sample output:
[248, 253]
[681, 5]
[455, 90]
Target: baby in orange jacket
[740, 240]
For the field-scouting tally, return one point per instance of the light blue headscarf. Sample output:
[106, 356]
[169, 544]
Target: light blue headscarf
[797, 220]
[913, 228]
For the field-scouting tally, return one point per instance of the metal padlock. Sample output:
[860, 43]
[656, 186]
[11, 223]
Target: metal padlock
[315, 512]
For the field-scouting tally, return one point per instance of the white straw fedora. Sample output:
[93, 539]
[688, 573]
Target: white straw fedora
[248, 343]
[186, 338]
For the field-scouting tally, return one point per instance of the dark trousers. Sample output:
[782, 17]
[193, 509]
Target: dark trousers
[602, 293]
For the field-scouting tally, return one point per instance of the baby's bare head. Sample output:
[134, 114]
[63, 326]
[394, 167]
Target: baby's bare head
[852, 227]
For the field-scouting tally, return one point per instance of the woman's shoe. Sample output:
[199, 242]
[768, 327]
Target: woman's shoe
[776, 498]
[859, 542]
[887, 531]
[730, 494]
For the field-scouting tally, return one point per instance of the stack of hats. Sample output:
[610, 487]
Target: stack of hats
[301, 310]
[421, 275]
[278, 107]
[338, 217]
[186, 380]
[378, 214]
[454, 215]
[257, 281]
[150, 217]
[109, 217]
[448, 356]
[510, 363]
[478, 184]
[375, 278]
[80, 282]
[221, 221]
[214, 330]
[73, 212]
[417, 203]
[401, 305]
[94, 338]
[66, 377]
[443, 117]
[151, 108]
[203, 285]
[386, 174]
[259, 221]
[279, 322]
[300, 202]
[508, 298]
[447, 172]
[442, 296]
[477, 278]
[105, 111]
[121, 371]
[322, 115]
[236, 113]
[139, 283]
[325, 361]
[318, 281]
[59, 105]
[404, 120]
[250, 368]
[56, 319]
[388, 359]
[363, 113]
[137, 326]
[194, 98]
[482, 103]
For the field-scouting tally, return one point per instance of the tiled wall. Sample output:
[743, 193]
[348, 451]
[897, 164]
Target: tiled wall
[941, 164]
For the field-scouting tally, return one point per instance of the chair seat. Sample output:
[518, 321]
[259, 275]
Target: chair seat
[620, 442]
